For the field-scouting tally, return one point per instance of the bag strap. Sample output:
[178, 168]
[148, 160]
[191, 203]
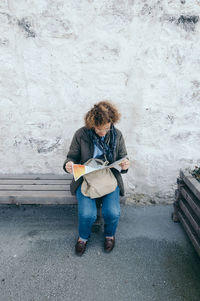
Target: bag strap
[101, 162]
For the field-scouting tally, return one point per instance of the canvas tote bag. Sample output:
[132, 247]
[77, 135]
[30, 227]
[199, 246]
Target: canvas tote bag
[98, 183]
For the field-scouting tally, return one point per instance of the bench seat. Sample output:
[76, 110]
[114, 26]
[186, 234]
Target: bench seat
[37, 189]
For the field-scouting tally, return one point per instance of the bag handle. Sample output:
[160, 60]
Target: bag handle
[101, 162]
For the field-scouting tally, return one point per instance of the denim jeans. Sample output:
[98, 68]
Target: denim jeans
[87, 213]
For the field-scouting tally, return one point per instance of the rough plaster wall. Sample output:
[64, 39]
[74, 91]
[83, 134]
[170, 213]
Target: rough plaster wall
[59, 57]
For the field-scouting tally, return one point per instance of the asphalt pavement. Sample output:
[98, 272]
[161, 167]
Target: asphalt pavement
[153, 259]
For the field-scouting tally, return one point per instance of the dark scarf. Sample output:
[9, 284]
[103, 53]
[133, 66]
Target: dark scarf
[107, 146]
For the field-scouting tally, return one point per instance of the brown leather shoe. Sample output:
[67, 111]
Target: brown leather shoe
[80, 247]
[109, 244]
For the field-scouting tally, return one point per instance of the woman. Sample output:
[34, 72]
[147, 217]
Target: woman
[98, 139]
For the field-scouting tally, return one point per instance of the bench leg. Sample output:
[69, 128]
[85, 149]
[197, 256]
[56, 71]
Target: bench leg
[174, 216]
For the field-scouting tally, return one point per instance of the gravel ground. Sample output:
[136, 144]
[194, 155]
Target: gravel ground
[153, 259]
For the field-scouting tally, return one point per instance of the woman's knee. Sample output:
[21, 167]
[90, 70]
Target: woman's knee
[87, 216]
[111, 214]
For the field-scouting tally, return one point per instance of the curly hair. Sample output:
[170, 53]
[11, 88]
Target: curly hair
[102, 113]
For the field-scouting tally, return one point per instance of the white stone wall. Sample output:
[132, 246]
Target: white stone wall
[58, 58]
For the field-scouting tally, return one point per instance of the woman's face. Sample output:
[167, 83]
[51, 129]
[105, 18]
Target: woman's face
[102, 130]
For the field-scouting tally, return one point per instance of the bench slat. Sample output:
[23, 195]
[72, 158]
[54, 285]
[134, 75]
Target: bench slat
[36, 176]
[191, 182]
[191, 200]
[31, 200]
[191, 218]
[46, 193]
[195, 241]
[34, 182]
[34, 187]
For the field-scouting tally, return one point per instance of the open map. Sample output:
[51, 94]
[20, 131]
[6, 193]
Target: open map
[80, 170]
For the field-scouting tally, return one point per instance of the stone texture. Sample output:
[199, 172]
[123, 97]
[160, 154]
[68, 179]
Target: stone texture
[58, 58]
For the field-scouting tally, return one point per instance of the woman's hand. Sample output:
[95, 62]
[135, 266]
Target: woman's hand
[68, 166]
[125, 164]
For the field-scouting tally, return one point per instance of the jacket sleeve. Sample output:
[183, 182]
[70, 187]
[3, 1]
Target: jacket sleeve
[74, 151]
[122, 152]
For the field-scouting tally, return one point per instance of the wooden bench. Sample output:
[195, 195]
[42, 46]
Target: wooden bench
[43, 189]
[36, 189]
[187, 207]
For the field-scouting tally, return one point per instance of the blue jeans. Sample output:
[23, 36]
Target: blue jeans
[87, 213]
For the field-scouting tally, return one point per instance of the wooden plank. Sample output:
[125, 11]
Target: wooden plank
[37, 176]
[34, 187]
[191, 200]
[40, 197]
[195, 241]
[34, 182]
[30, 200]
[191, 182]
[35, 193]
[190, 217]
